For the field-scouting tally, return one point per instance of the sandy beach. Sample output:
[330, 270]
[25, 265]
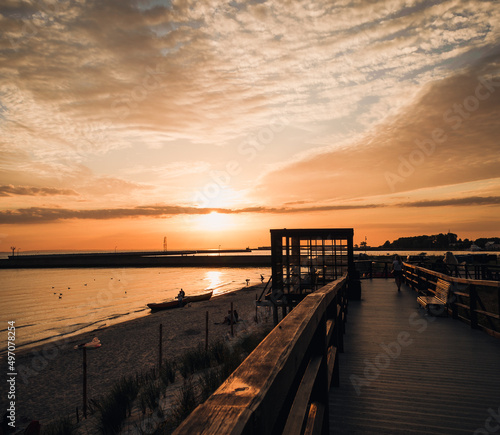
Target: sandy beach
[49, 380]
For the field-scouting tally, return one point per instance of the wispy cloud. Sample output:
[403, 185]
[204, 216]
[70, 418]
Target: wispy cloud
[431, 143]
[466, 202]
[10, 190]
[45, 214]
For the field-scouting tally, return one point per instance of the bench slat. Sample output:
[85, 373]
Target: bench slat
[487, 313]
[442, 293]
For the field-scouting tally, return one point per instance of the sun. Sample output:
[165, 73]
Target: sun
[214, 221]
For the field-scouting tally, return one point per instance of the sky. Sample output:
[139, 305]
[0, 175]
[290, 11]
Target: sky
[210, 122]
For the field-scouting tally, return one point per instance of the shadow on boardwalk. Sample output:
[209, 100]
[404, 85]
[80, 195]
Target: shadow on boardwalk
[406, 372]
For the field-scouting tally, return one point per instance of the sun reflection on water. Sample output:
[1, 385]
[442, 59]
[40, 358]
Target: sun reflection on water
[213, 280]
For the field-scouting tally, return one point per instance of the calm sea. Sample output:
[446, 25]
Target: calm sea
[48, 303]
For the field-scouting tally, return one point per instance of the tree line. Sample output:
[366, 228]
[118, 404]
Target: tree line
[449, 241]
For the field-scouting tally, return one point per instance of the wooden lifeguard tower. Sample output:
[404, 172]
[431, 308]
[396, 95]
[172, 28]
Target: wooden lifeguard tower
[304, 260]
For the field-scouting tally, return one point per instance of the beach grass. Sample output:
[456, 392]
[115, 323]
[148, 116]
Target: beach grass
[167, 371]
[149, 396]
[187, 401]
[113, 409]
[61, 426]
[219, 351]
[209, 381]
[194, 360]
[202, 371]
[213, 368]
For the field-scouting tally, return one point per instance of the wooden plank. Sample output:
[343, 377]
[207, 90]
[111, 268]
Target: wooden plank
[330, 361]
[412, 391]
[315, 419]
[465, 295]
[442, 290]
[330, 327]
[299, 407]
[486, 313]
[490, 332]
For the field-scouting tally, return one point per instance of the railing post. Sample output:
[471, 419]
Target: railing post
[339, 327]
[473, 306]
[319, 392]
[84, 383]
[454, 308]
[275, 314]
[498, 299]
[160, 347]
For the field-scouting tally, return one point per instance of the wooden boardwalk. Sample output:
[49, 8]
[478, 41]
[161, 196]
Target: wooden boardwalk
[404, 372]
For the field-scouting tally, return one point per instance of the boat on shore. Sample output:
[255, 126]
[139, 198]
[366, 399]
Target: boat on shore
[174, 303]
[200, 297]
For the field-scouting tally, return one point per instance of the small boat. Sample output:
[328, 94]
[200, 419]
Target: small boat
[200, 297]
[174, 303]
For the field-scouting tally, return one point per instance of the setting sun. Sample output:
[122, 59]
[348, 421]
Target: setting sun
[214, 221]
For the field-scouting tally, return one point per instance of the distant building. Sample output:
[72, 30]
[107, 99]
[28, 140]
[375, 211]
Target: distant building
[492, 246]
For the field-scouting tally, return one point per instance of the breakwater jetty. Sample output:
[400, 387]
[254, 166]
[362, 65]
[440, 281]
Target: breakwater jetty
[204, 258]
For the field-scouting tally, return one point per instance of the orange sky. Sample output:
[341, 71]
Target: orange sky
[211, 122]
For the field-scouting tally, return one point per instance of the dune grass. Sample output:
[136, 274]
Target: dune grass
[203, 372]
[113, 409]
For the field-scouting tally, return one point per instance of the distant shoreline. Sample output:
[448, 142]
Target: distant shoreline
[205, 258]
[136, 259]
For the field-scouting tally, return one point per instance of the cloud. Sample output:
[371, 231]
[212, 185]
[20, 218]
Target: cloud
[91, 89]
[462, 202]
[45, 214]
[81, 75]
[10, 190]
[448, 135]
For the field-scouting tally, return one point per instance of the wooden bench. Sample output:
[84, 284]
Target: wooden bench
[437, 304]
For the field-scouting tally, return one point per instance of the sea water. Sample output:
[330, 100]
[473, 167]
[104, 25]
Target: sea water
[50, 303]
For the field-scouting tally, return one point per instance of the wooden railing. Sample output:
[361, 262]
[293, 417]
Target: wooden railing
[282, 386]
[476, 302]
[490, 272]
[368, 269]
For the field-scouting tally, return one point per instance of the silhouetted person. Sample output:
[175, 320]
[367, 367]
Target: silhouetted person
[180, 297]
[397, 271]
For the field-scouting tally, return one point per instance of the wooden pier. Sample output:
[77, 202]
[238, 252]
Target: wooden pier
[404, 372]
[396, 370]
[347, 359]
